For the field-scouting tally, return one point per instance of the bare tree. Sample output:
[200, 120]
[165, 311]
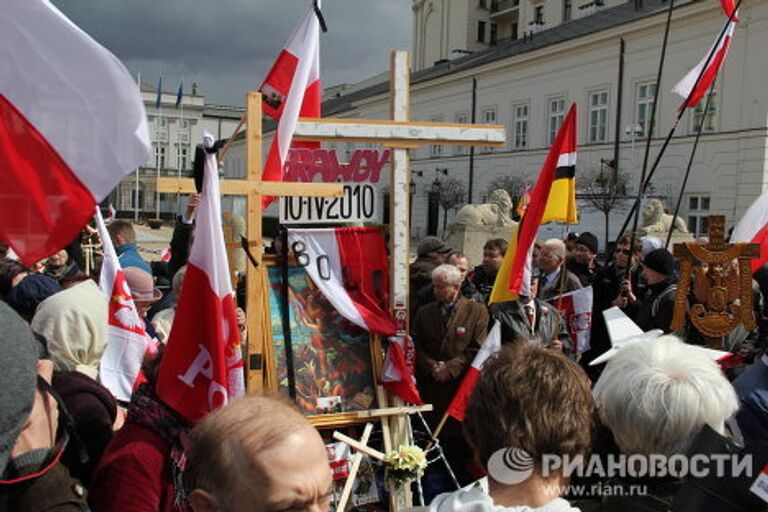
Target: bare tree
[604, 190]
[452, 195]
[514, 185]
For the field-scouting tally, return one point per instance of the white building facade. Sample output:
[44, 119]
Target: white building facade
[528, 85]
[174, 132]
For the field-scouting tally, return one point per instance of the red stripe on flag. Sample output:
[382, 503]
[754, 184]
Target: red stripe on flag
[365, 271]
[728, 7]
[760, 238]
[43, 205]
[458, 406]
[565, 143]
[709, 75]
[193, 376]
[277, 84]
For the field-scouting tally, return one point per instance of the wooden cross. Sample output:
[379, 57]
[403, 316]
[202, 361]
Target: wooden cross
[254, 188]
[400, 135]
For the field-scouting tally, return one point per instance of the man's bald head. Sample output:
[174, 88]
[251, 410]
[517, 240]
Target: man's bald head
[230, 448]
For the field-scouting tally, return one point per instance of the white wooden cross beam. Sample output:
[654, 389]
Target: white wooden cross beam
[253, 188]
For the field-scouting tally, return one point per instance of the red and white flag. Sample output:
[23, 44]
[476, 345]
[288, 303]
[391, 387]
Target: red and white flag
[127, 341]
[351, 268]
[753, 228]
[728, 7]
[397, 371]
[576, 313]
[561, 160]
[202, 367]
[72, 125]
[687, 88]
[291, 90]
[491, 345]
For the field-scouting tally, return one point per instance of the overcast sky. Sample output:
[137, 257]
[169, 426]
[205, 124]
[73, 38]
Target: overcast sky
[228, 46]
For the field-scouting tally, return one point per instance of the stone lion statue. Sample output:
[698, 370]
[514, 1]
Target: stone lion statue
[655, 221]
[493, 213]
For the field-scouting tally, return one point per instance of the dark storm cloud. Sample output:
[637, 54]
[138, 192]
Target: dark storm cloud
[227, 46]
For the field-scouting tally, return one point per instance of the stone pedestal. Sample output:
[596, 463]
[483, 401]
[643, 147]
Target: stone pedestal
[470, 239]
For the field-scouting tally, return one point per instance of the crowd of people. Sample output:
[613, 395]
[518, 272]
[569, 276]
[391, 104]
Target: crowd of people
[66, 443]
[658, 397]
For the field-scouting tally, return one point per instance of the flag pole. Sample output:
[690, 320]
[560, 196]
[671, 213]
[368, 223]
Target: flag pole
[231, 139]
[159, 106]
[180, 99]
[654, 107]
[438, 429]
[699, 130]
[673, 129]
[136, 181]
[286, 315]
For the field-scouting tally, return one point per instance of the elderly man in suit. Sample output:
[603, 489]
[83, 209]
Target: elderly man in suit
[447, 334]
[529, 319]
[554, 279]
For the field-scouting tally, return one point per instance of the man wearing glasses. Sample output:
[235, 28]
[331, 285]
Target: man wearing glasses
[612, 288]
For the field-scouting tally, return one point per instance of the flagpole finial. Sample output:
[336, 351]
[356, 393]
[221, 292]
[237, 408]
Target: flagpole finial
[319, 14]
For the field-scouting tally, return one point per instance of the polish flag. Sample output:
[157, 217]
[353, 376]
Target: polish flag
[561, 161]
[753, 228]
[202, 367]
[575, 310]
[728, 7]
[292, 90]
[72, 125]
[491, 345]
[127, 342]
[351, 268]
[688, 88]
[397, 371]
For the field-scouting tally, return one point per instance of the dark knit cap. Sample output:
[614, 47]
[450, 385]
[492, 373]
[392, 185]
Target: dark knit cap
[661, 261]
[18, 379]
[589, 241]
[30, 292]
[432, 244]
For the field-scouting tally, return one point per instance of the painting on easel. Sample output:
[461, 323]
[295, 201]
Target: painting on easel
[334, 361]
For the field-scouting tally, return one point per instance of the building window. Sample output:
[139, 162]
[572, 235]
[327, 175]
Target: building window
[481, 31]
[181, 157]
[556, 113]
[520, 126]
[538, 18]
[567, 10]
[710, 122]
[489, 117]
[598, 116]
[436, 150]
[698, 215]
[644, 105]
[462, 118]
[159, 156]
[494, 33]
[483, 4]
